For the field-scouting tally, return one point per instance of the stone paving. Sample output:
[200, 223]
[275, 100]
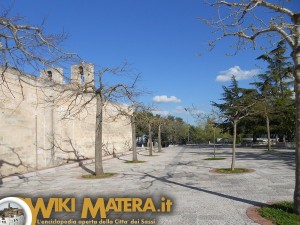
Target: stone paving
[179, 173]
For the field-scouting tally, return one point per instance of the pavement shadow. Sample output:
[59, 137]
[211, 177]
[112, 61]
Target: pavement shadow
[82, 166]
[286, 157]
[238, 199]
[194, 146]
[11, 164]
[78, 157]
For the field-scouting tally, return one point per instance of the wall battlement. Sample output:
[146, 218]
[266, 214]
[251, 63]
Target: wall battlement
[82, 74]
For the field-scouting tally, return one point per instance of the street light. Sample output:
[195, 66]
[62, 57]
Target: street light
[188, 141]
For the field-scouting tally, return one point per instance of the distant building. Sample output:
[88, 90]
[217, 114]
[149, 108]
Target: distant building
[12, 216]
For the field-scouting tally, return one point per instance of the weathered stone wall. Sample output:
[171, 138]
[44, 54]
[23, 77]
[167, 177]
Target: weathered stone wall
[37, 132]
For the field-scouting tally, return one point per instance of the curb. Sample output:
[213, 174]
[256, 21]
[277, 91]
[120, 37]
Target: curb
[59, 167]
[252, 213]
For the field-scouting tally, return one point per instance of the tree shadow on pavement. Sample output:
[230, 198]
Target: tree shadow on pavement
[199, 146]
[82, 166]
[163, 179]
[286, 157]
[20, 163]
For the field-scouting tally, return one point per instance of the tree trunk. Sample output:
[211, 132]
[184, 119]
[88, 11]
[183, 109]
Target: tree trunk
[150, 140]
[214, 142]
[268, 132]
[133, 133]
[159, 138]
[296, 58]
[98, 137]
[233, 145]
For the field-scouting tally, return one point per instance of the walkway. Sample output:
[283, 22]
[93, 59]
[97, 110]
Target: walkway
[179, 173]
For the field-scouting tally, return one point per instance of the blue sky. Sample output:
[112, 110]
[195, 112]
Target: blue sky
[163, 40]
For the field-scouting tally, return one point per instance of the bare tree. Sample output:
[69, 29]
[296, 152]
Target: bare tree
[159, 135]
[130, 111]
[133, 132]
[80, 95]
[136, 107]
[112, 93]
[212, 120]
[283, 23]
[159, 121]
[150, 143]
[24, 46]
[146, 120]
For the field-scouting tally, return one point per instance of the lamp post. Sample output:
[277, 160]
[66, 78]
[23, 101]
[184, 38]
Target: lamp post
[188, 134]
[214, 128]
[187, 120]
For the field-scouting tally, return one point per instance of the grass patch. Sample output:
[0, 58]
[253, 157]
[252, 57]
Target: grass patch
[149, 155]
[281, 213]
[214, 158]
[236, 170]
[93, 176]
[272, 150]
[131, 161]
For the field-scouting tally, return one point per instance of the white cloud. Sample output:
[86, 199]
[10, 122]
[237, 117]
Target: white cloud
[164, 98]
[161, 112]
[236, 71]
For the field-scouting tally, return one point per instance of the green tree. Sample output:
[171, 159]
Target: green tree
[247, 24]
[208, 128]
[273, 86]
[237, 105]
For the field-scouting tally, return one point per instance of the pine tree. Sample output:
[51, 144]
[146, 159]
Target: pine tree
[274, 93]
[237, 105]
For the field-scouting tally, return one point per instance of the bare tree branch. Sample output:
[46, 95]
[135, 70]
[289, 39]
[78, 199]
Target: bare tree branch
[234, 22]
[24, 46]
[246, 22]
[255, 3]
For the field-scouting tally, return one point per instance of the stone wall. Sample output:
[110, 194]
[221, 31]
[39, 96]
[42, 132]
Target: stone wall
[36, 130]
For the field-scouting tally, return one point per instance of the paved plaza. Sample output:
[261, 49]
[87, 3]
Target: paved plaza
[181, 174]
